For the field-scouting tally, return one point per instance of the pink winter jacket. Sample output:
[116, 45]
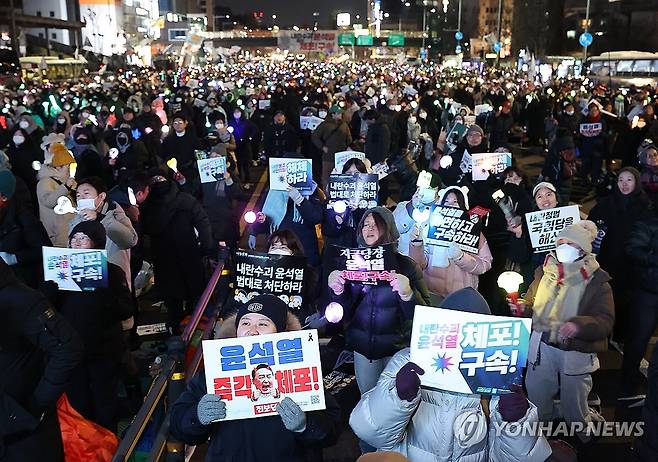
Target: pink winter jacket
[459, 274]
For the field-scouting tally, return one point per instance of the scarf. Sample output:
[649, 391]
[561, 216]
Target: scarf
[276, 207]
[560, 291]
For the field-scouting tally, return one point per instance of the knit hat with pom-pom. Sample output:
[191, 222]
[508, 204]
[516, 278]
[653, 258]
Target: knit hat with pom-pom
[582, 234]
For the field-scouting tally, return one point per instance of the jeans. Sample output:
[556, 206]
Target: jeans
[643, 319]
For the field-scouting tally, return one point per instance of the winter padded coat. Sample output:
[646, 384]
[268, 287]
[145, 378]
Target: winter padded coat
[50, 188]
[424, 429]
[642, 250]
[264, 439]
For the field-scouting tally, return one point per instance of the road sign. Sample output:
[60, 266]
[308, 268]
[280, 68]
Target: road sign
[396, 40]
[586, 39]
[364, 40]
[345, 39]
[459, 35]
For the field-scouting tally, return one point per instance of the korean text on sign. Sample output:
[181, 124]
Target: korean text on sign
[450, 224]
[253, 374]
[368, 265]
[75, 269]
[545, 225]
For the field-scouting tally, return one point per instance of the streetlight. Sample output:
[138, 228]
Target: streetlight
[273, 16]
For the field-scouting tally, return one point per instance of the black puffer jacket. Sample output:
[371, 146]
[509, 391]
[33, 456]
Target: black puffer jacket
[377, 321]
[642, 250]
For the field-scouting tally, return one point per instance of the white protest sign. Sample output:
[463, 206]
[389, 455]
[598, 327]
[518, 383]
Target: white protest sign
[487, 162]
[467, 352]
[75, 269]
[545, 225]
[343, 156]
[211, 169]
[264, 104]
[309, 122]
[297, 173]
[253, 374]
[591, 130]
[466, 165]
[482, 108]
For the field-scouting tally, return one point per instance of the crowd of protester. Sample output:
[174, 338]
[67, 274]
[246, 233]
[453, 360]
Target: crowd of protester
[104, 144]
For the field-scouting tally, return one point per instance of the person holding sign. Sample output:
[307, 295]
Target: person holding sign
[447, 269]
[291, 436]
[593, 144]
[96, 316]
[427, 424]
[375, 315]
[572, 317]
[332, 136]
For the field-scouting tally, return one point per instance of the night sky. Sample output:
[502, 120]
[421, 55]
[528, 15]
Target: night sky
[297, 11]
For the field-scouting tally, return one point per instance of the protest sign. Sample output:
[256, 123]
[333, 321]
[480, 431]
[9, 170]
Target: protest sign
[261, 273]
[368, 265]
[381, 169]
[466, 165]
[325, 41]
[545, 225]
[75, 269]
[297, 173]
[309, 122]
[455, 135]
[211, 169]
[253, 374]
[360, 189]
[591, 130]
[469, 352]
[343, 156]
[264, 104]
[489, 162]
[451, 224]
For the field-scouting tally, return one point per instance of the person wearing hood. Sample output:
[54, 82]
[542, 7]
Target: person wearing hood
[572, 317]
[221, 141]
[54, 182]
[560, 164]
[331, 136]
[172, 219]
[290, 435]
[615, 215]
[23, 151]
[96, 316]
[219, 198]
[648, 156]
[421, 423]
[501, 126]
[280, 137]
[40, 350]
[293, 210]
[460, 160]
[32, 130]
[128, 157]
[448, 269]
[593, 144]
[406, 214]
[243, 131]
[376, 317]
[181, 144]
[89, 163]
[378, 137]
[569, 119]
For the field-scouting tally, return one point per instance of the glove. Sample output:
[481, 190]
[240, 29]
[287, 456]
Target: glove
[402, 286]
[210, 409]
[294, 419]
[251, 241]
[513, 406]
[295, 195]
[407, 382]
[336, 282]
[9, 258]
[316, 321]
[454, 252]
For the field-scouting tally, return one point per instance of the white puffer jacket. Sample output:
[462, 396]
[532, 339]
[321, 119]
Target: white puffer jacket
[423, 430]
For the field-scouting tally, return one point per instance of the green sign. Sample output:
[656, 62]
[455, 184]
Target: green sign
[345, 39]
[364, 40]
[396, 40]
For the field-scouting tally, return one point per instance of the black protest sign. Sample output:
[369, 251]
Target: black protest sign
[360, 189]
[261, 273]
[367, 265]
[451, 224]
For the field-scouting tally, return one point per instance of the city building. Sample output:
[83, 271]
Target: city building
[489, 30]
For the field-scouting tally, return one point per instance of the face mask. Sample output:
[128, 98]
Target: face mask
[180, 134]
[86, 204]
[24, 124]
[85, 115]
[18, 140]
[412, 120]
[569, 113]
[422, 115]
[322, 114]
[280, 251]
[566, 253]
[219, 126]
[392, 108]
[61, 121]
[237, 116]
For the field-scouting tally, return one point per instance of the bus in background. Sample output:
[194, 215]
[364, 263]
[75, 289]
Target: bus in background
[10, 68]
[624, 68]
[51, 68]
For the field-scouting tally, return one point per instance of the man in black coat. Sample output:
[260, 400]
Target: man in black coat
[181, 144]
[38, 352]
[378, 137]
[280, 137]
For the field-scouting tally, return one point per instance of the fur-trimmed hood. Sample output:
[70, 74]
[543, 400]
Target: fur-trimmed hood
[227, 328]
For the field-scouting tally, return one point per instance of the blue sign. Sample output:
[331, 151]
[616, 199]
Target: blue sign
[458, 49]
[459, 35]
[586, 39]
[497, 46]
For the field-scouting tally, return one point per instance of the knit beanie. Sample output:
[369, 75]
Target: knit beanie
[7, 183]
[475, 129]
[466, 299]
[582, 234]
[94, 230]
[267, 305]
[61, 155]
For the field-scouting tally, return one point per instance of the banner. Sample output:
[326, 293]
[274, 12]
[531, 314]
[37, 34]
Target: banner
[75, 269]
[367, 265]
[309, 122]
[494, 162]
[261, 273]
[255, 373]
[297, 173]
[591, 130]
[468, 352]
[450, 224]
[545, 225]
[325, 41]
[211, 169]
[360, 189]
[343, 156]
[264, 104]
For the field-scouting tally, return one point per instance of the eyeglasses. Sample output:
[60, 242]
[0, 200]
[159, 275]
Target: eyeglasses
[80, 238]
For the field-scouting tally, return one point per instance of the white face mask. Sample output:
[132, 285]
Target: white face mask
[219, 126]
[422, 115]
[24, 124]
[237, 116]
[86, 204]
[569, 113]
[322, 114]
[61, 121]
[280, 251]
[179, 134]
[18, 140]
[566, 253]
[85, 115]
[412, 119]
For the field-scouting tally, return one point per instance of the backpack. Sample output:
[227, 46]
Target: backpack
[568, 163]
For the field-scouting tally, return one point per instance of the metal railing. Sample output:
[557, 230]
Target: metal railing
[161, 384]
